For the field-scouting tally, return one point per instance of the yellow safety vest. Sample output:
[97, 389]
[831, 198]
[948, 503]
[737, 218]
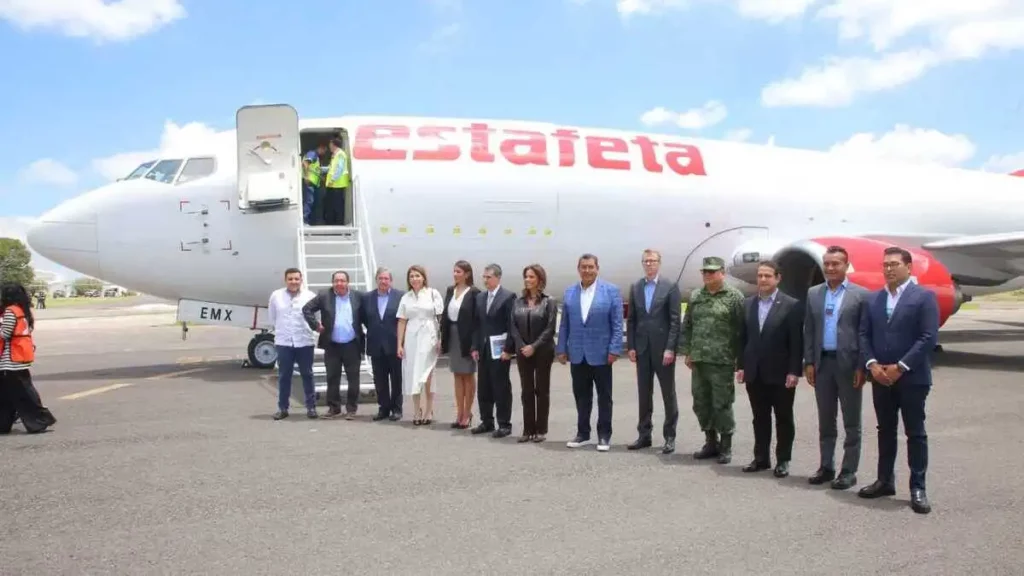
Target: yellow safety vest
[313, 172]
[343, 179]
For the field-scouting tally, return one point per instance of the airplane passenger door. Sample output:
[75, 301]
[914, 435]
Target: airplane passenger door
[722, 244]
[269, 176]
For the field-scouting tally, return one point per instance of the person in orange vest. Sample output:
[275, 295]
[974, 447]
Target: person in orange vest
[18, 396]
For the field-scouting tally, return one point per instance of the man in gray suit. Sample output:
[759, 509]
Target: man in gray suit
[832, 367]
[652, 333]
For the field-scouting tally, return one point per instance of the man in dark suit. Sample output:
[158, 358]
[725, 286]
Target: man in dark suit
[652, 334]
[833, 367]
[898, 331]
[341, 338]
[493, 312]
[770, 361]
[380, 309]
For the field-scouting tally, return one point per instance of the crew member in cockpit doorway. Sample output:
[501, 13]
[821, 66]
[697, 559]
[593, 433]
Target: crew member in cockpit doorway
[310, 185]
[336, 185]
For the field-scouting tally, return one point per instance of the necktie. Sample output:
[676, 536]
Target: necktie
[490, 298]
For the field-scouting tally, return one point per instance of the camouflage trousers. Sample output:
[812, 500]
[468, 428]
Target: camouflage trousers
[713, 395]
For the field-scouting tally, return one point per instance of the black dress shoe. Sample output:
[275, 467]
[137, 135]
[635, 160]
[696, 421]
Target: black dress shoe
[845, 481]
[501, 432]
[395, 417]
[781, 470]
[332, 413]
[877, 489]
[379, 416]
[919, 501]
[669, 447]
[756, 466]
[821, 476]
[482, 428]
[280, 415]
[640, 444]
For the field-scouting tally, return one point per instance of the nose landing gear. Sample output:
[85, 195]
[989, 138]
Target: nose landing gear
[261, 352]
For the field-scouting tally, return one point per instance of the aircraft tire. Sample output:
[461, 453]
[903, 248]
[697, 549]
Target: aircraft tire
[261, 351]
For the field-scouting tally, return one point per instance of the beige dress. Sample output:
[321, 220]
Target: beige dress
[420, 310]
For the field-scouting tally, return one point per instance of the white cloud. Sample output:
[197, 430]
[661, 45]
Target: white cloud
[100, 20]
[709, 114]
[739, 135]
[913, 145]
[1007, 163]
[769, 10]
[191, 137]
[938, 32]
[48, 171]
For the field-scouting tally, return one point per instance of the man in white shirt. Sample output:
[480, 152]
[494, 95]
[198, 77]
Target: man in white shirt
[294, 341]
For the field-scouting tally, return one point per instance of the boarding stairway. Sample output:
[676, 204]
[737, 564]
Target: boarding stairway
[322, 251]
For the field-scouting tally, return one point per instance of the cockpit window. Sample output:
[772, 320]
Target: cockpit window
[196, 168]
[164, 171]
[142, 169]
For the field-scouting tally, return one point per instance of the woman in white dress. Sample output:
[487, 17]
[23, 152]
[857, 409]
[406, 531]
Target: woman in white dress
[419, 341]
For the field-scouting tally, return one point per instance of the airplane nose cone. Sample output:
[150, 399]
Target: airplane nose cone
[68, 236]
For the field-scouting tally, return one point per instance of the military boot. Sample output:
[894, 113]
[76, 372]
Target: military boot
[725, 449]
[710, 448]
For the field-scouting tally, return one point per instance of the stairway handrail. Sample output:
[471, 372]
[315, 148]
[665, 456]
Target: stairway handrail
[368, 254]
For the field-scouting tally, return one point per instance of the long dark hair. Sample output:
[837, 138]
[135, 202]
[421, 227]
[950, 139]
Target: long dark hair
[16, 295]
[468, 269]
[542, 280]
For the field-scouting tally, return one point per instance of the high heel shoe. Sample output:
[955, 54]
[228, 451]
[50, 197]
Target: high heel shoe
[428, 420]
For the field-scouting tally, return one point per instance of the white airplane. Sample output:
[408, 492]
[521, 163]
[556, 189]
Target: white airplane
[215, 227]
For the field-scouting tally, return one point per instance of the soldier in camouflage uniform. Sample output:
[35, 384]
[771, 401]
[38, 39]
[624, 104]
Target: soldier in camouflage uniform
[709, 343]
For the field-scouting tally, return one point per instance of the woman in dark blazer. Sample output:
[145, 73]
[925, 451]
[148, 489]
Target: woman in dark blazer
[532, 340]
[457, 322]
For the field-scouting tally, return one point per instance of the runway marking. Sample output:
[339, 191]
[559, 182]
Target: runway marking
[94, 391]
[173, 374]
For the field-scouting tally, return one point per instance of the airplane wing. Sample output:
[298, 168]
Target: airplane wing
[1004, 251]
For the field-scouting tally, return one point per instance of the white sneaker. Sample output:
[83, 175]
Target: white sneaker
[579, 442]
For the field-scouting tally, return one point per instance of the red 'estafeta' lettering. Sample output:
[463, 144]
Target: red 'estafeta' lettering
[566, 146]
[480, 143]
[523, 147]
[536, 145]
[444, 151]
[367, 136]
[599, 146]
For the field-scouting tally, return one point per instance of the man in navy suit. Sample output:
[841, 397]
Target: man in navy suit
[898, 330]
[590, 338]
[380, 316]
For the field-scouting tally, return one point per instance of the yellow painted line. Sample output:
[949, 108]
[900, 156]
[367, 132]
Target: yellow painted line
[173, 374]
[95, 391]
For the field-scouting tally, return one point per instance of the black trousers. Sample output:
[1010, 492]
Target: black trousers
[648, 365]
[19, 397]
[494, 390]
[764, 399]
[535, 376]
[585, 379]
[334, 206]
[387, 380]
[347, 356]
[890, 402]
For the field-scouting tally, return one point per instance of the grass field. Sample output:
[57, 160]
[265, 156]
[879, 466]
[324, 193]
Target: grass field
[82, 301]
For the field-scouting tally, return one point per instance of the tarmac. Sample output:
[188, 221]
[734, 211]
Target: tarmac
[165, 459]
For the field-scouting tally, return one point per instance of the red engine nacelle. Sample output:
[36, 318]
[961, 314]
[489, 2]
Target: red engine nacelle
[866, 267]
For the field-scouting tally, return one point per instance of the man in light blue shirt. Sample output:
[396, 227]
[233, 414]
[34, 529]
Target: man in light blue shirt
[341, 337]
[832, 366]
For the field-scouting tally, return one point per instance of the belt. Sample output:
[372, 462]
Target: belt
[828, 354]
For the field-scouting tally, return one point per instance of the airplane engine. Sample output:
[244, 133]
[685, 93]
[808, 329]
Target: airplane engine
[801, 264]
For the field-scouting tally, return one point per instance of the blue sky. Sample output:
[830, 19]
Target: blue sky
[87, 93]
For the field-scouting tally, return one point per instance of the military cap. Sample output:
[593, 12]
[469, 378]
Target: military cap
[712, 263]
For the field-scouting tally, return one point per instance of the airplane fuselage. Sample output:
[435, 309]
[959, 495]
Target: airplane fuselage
[605, 192]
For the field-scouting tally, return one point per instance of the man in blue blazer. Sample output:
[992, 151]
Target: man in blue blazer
[590, 338]
[898, 330]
